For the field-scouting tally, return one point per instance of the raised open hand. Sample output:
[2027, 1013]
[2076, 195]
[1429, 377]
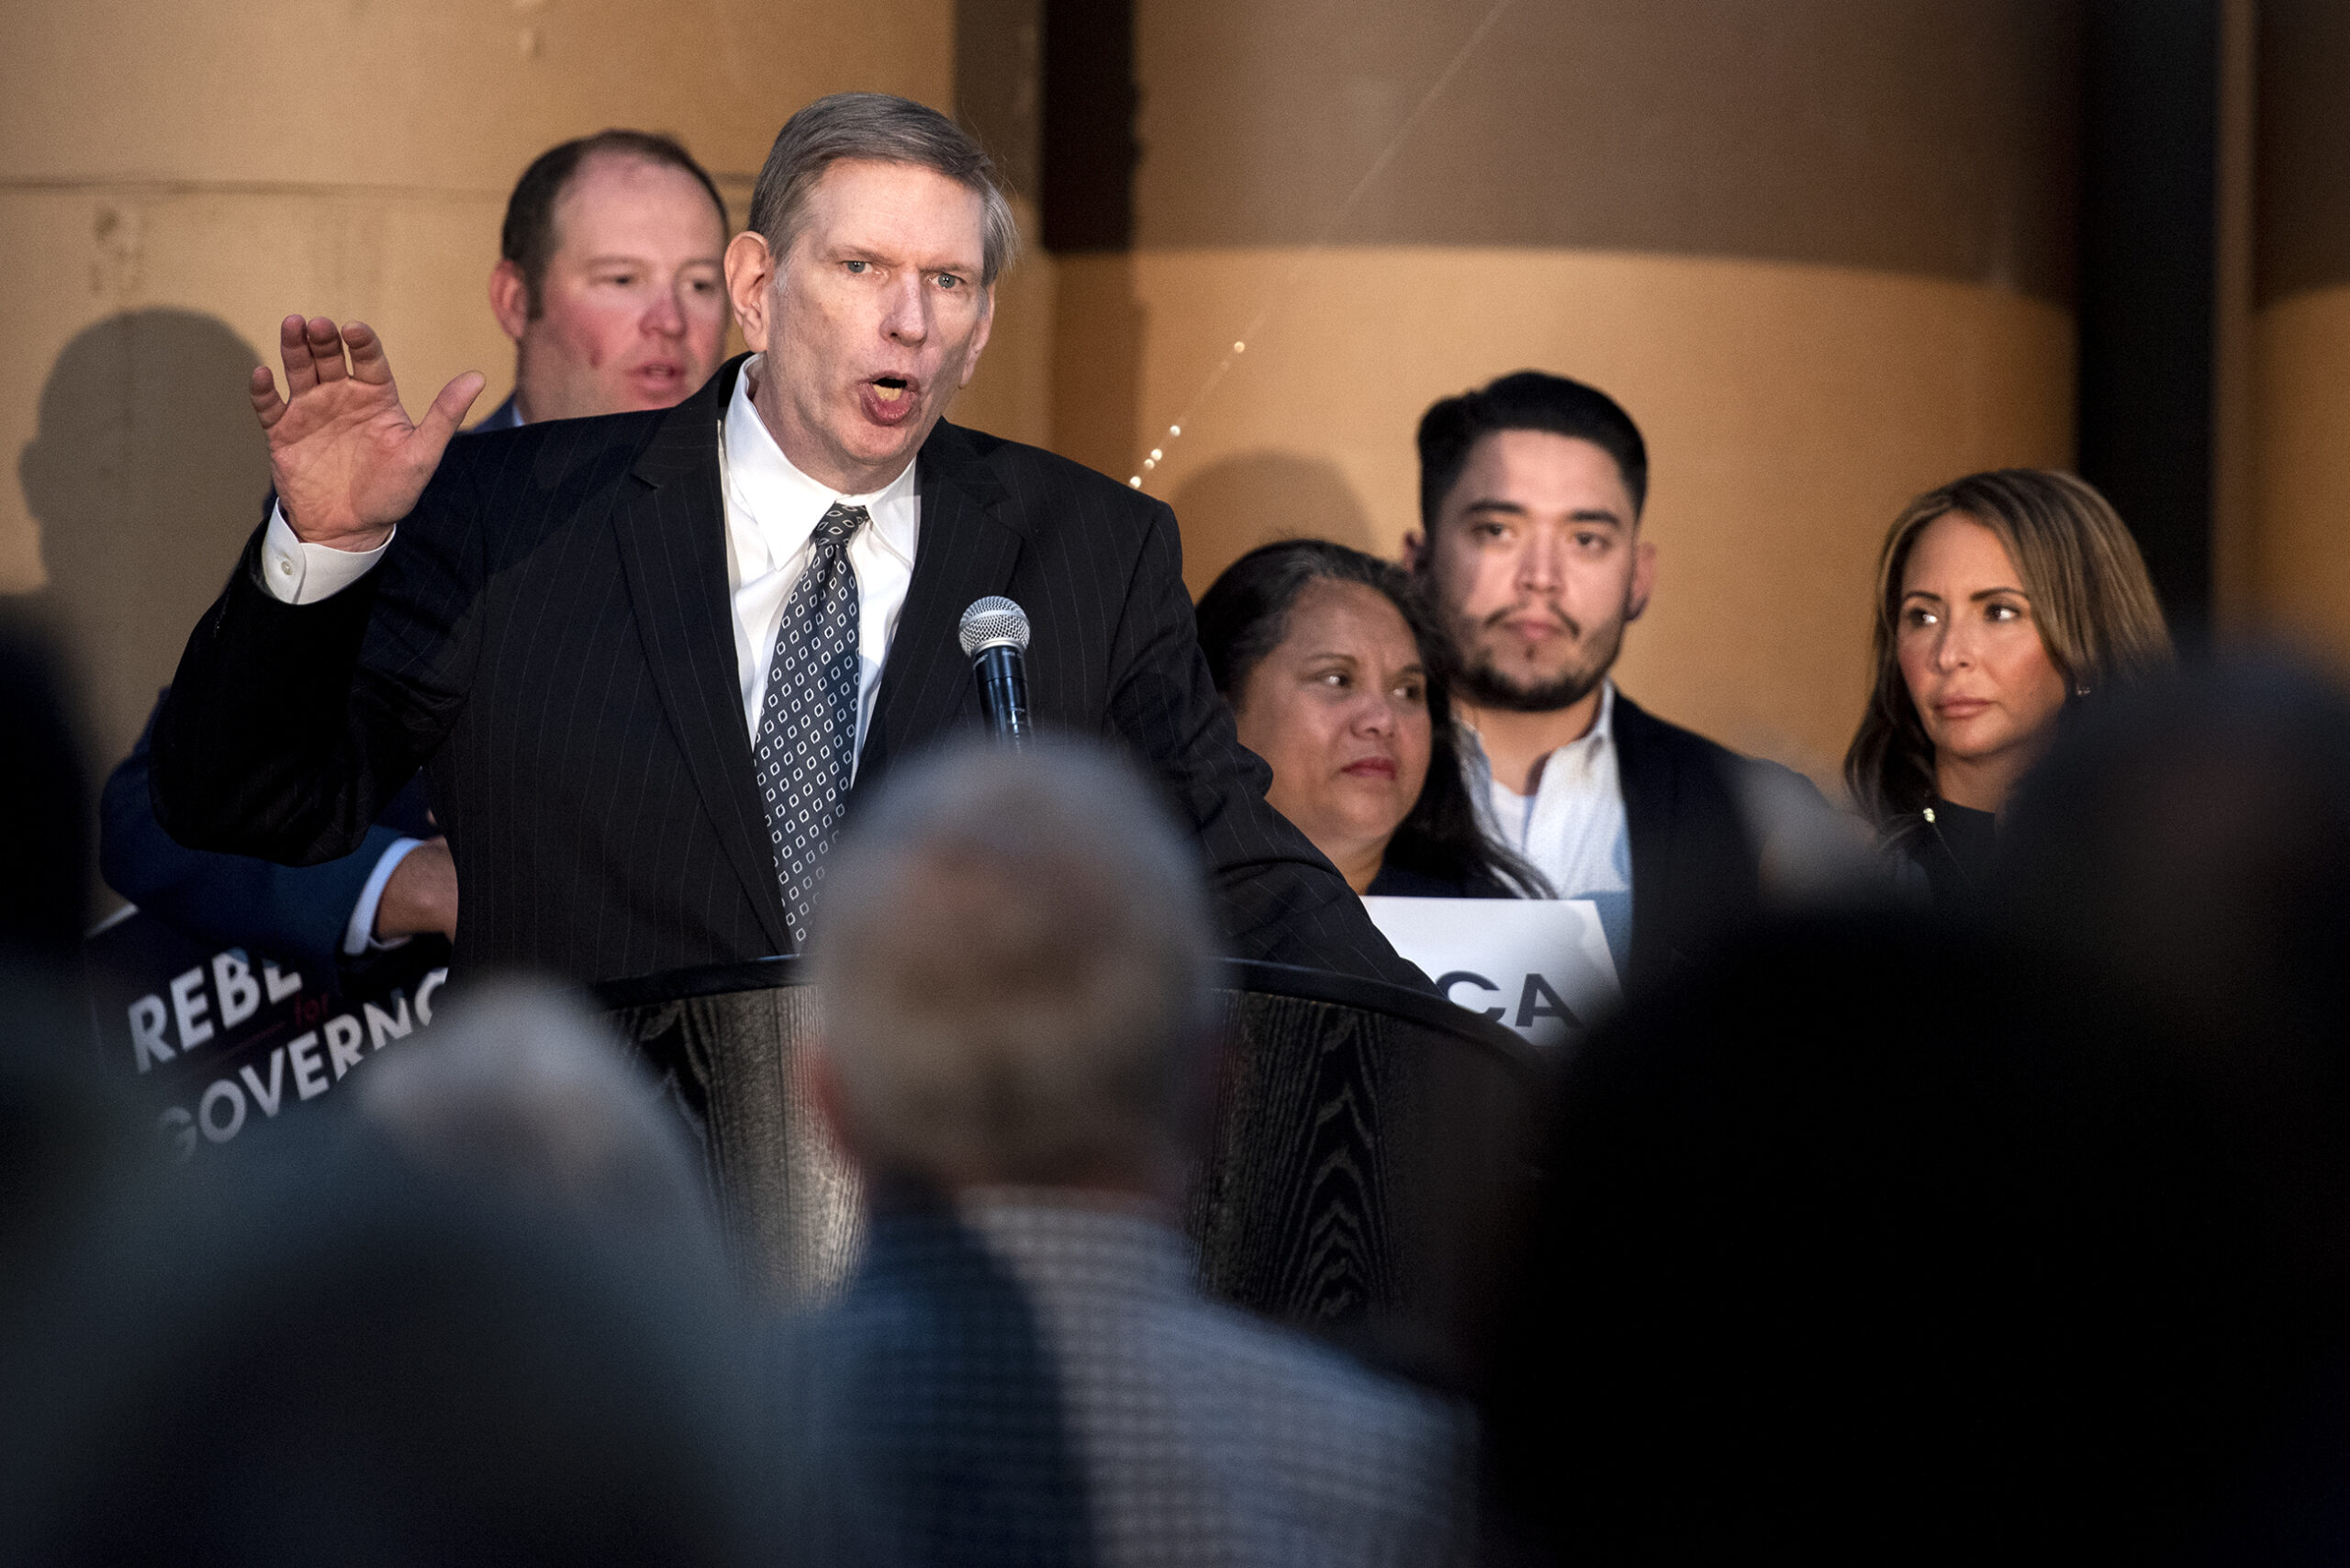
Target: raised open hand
[347, 462]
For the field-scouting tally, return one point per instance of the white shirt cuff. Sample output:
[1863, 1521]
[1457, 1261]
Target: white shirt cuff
[359, 936]
[298, 573]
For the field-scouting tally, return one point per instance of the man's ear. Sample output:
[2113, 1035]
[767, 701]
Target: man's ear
[978, 337]
[750, 269]
[509, 299]
[1636, 602]
[1415, 551]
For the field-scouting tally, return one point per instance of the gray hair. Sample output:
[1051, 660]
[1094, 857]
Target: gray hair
[520, 1088]
[887, 129]
[1013, 949]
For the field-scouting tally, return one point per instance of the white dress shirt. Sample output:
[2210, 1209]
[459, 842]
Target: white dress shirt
[772, 509]
[1572, 829]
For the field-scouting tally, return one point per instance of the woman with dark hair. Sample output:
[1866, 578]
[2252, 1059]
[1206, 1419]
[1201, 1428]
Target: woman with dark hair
[1333, 677]
[2002, 599]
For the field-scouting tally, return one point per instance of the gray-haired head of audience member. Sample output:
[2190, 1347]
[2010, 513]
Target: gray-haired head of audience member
[1013, 949]
[882, 129]
[519, 1087]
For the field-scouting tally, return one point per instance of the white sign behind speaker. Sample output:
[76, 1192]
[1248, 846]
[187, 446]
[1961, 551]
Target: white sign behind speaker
[1540, 965]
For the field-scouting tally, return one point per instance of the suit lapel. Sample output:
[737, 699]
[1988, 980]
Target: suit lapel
[1648, 788]
[967, 550]
[671, 525]
[1652, 803]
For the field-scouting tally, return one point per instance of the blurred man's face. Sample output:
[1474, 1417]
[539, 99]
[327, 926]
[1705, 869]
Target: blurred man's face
[871, 323]
[1536, 566]
[631, 313]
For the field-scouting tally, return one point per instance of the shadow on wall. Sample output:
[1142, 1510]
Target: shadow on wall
[145, 475]
[1231, 507]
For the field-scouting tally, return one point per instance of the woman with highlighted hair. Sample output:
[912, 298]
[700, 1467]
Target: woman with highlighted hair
[2003, 599]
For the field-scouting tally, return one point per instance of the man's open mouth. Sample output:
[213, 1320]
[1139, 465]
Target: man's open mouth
[890, 400]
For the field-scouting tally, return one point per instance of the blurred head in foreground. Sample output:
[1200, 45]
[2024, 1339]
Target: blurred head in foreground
[430, 1332]
[517, 1088]
[1337, 678]
[2000, 598]
[65, 1126]
[2191, 839]
[1870, 1241]
[1013, 951]
[44, 867]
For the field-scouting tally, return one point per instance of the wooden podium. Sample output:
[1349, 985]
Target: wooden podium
[1370, 1147]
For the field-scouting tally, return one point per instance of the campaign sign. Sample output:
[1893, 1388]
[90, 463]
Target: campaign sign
[230, 1040]
[1541, 966]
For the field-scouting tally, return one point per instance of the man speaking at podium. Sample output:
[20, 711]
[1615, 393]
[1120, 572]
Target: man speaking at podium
[644, 657]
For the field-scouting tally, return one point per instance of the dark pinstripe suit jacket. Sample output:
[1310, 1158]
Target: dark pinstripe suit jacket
[550, 639]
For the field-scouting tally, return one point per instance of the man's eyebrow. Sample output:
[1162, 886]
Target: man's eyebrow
[1514, 509]
[617, 259]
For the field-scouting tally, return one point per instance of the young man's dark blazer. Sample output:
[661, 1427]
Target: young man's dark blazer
[550, 638]
[1696, 857]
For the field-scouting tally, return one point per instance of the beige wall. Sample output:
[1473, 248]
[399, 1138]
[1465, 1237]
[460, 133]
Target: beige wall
[1790, 411]
[174, 179]
[1820, 249]
[2293, 570]
[2300, 553]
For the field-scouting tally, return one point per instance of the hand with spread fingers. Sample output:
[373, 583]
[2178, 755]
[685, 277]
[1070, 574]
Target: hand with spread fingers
[347, 462]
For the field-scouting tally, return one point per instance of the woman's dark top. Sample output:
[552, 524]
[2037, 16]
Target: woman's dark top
[1408, 882]
[1954, 846]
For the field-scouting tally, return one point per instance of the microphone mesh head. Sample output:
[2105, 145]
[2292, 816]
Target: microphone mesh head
[995, 622]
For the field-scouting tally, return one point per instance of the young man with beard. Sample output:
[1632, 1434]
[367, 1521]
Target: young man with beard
[1530, 497]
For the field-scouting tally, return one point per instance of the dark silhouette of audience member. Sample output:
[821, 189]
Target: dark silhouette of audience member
[65, 1131]
[481, 1321]
[44, 863]
[1336, 677]
[2003, 600]
[1013, 951]
[2192, 839]
[1876, 1241]
[2188, 840]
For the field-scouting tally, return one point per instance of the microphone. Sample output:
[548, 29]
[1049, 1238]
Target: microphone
[995, 639]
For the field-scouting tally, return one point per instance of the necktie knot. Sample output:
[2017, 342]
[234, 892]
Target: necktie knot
[838, 522]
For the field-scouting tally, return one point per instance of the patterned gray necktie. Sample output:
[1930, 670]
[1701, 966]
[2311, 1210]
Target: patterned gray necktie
[807, 724]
